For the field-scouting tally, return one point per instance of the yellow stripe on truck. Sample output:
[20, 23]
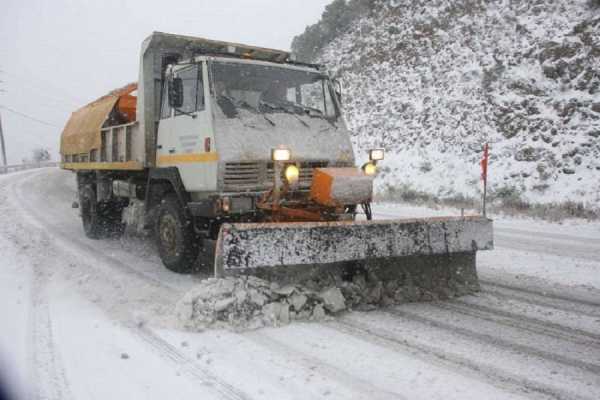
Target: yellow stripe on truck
[188, 158]
[127, 165]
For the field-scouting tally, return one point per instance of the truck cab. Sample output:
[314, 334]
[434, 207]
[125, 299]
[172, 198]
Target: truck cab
[221, 117]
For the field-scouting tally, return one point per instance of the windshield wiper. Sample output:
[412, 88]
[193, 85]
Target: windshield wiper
[319, 113]
[189, 114]
[268, 120]
[308, 110]
[284, 109]
[244, 104]
[273, 106]
[301, 121]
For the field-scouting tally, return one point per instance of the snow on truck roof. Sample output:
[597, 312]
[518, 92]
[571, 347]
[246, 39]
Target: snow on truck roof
[201, 46]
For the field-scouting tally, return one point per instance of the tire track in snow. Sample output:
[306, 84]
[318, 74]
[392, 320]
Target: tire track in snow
[48, 378]
[160, 347]
[188, 365]
[101, 249]
[449, 360]
[497, 341]
[50, 381]
[540, 244]
[367, 390]
[68, 239]
[550, 235]
[521, 322]
[548, 294]
[534, 297]
[53, 239]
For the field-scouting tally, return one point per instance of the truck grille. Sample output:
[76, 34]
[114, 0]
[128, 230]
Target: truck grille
[306, 172]
[241, 174]
[259, 175]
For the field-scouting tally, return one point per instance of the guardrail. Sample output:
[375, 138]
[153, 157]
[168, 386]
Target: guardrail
[20, 167]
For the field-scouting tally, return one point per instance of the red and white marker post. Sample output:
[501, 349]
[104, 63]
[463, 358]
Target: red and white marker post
[484, 171]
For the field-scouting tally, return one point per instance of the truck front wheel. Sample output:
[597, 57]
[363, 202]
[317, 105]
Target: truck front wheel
[177, 242]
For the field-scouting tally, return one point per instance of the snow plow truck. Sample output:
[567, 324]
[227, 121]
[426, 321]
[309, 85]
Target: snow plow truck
[238, 158]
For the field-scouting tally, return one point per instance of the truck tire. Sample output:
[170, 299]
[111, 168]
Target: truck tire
[99, 219]
[178, 244]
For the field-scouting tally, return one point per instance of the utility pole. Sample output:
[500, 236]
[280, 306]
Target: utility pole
[2, 144]
[2, 139]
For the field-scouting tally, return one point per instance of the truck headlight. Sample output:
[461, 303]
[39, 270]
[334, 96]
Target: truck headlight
[226, 204]
[281, 154]
[292, 173]
[369, 168]
[376, 154]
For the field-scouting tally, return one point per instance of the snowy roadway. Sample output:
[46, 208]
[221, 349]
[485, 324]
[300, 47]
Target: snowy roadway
[86, 319]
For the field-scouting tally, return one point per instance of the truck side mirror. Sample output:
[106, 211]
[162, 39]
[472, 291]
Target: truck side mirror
[337, 88]
[175, 92]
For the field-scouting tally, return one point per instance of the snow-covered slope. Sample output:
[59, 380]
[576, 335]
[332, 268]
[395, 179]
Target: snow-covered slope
[433, 80]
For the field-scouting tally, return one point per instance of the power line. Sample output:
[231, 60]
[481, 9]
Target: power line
[28, 86]
[29, 117]
[42, 93]
[66, 96]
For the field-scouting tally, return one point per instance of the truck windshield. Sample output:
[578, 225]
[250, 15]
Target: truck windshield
[271, 89]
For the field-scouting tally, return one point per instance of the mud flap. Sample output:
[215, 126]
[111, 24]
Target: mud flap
[248, 247]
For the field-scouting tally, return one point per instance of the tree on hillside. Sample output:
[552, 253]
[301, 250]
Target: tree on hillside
[337, 18]
[41, 154]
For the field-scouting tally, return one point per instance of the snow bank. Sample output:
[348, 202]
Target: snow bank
[248, 302]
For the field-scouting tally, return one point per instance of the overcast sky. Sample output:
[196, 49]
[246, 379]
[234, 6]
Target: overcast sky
[57, 55]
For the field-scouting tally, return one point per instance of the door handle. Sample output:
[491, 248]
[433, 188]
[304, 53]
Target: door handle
[171, 151]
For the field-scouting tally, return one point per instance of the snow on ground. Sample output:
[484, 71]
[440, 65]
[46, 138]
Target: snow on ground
[15, 282]
[95, 319]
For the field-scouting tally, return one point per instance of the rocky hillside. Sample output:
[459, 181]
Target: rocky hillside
[433, 80]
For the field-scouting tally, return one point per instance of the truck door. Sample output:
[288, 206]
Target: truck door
[163, 140]
[185, 134]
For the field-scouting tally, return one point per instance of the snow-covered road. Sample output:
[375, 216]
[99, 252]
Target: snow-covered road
[86, 319]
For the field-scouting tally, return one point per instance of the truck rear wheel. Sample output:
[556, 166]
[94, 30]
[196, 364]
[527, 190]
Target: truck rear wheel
[99, 219]
[177, 242]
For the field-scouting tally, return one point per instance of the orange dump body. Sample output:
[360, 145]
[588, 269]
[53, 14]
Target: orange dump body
[127, 106]
[82, 134]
